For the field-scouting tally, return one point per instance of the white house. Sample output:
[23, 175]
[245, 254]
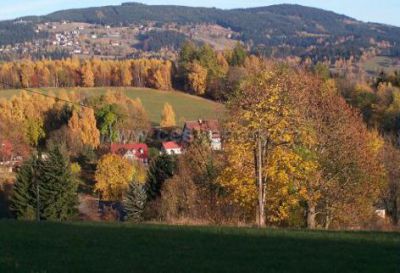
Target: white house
[210, 127]
[171, 148]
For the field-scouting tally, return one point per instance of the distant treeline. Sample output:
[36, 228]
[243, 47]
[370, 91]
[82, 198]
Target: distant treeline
[73, 72]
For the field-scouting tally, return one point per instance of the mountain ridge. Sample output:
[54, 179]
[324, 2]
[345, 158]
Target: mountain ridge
[275, 30]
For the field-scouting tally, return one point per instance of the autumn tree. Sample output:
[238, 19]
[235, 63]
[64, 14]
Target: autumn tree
[391, 191]
[261, 161]
[82, 126]
[113, 176]
[193, 191]
[197, 78]
[168, 116]
[125, 74]
[346, 176]
[87, 75]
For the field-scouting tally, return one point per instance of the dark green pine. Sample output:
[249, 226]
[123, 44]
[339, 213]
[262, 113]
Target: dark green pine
[134, 202]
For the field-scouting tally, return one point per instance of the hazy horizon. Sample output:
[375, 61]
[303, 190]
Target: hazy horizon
[367, 10]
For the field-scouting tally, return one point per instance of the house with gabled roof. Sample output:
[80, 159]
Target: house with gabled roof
[171, 148]
[210, 127]
[131, 151]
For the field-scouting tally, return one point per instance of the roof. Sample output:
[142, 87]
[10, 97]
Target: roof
[203, 125]
[171, 145]
[120, 148]
[6, 148]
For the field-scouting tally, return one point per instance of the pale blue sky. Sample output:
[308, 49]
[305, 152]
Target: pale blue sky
[382, 11]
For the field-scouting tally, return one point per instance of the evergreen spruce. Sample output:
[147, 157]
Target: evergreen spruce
[134, 202]
[161, 169]
[58, 186]
[24, 201]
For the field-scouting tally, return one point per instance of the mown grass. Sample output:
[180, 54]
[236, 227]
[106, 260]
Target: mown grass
[187, 107]
[85, 247]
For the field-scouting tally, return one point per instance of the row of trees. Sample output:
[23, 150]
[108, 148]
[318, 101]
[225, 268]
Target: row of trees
[199, 70]
[73, 72]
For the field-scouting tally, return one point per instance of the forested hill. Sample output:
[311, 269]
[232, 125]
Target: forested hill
[278, 30]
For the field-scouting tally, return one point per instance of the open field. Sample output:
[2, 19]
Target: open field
[85, 247]
[187, 107]
[380, 63]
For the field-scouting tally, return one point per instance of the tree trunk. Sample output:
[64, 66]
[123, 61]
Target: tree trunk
[395, 213]
[261, 195]
[311, 214]
[327, 220]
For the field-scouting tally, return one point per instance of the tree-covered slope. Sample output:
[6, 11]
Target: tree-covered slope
[278, 30]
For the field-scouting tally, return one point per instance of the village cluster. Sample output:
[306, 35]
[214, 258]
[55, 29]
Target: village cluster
[86, 40]
[134, 151]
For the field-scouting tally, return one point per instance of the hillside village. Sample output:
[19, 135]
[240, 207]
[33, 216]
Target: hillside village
[172, 142]
[11, 160]
[84, 40]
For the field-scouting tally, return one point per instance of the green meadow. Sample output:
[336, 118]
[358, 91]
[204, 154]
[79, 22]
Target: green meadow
[88, 247]
[187, 107]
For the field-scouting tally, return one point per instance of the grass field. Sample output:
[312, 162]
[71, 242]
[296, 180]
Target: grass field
[380, 63]
[84, 247]
[186, 107]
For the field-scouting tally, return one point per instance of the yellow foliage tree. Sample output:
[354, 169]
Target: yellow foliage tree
[126, 75]
[168, 116]
[263, 167]
[197, 78]
[113, 176]
[87, 75]
[83, 127]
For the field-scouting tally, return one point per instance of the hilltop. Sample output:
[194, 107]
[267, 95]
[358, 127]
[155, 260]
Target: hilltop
[278, 30]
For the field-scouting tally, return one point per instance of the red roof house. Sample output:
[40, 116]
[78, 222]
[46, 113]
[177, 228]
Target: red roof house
[171, 148]
[131, 151]
[6, 149]
[210, 127]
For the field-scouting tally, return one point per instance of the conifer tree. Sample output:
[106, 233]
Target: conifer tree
[24, 200]
[161, 169]
[135, 201]
[58, 186]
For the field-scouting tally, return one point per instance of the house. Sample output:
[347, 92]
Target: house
[210, 127]
[171, 148]
[6, 149]
[381, 213]
[131, 151]
[8, 158]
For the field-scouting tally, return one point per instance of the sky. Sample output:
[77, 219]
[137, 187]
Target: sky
[380, 11]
